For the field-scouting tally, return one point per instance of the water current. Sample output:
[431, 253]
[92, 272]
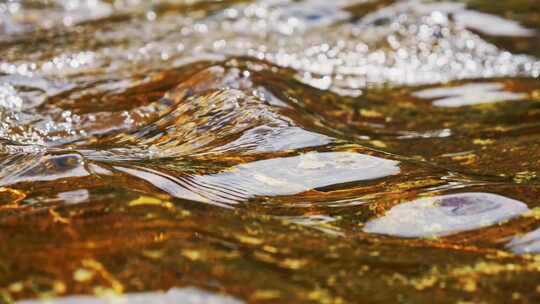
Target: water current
[272, 151]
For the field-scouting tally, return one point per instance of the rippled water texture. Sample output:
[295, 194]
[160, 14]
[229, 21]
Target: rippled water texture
[273, 151]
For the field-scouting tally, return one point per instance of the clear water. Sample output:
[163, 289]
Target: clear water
[269, 151]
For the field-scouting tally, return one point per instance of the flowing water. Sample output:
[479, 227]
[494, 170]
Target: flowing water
[273, 151]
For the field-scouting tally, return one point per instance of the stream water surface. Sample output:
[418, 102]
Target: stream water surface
[273, 151]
